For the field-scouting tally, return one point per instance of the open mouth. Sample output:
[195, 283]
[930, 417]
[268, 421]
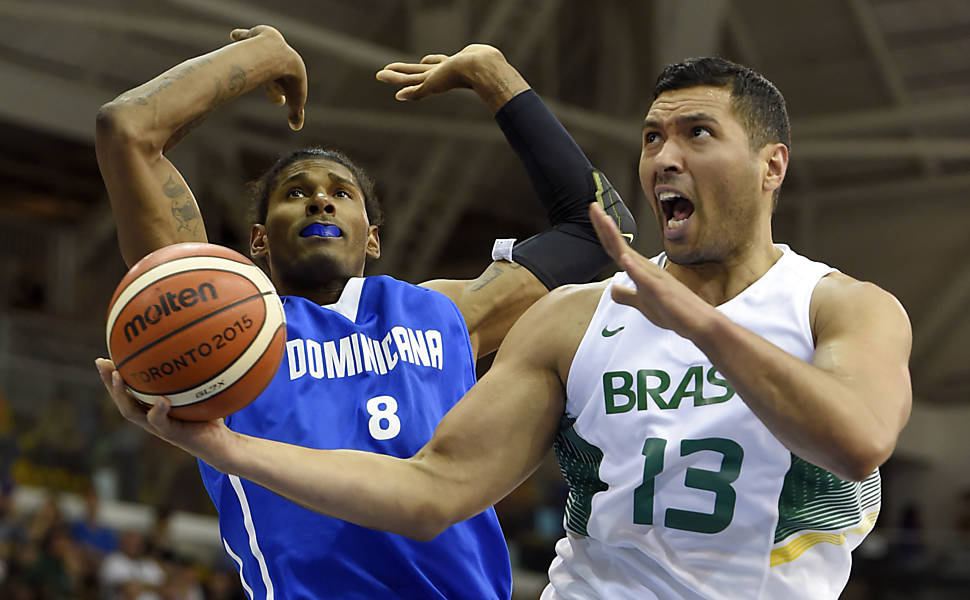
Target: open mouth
[676, 208]
[321, 230]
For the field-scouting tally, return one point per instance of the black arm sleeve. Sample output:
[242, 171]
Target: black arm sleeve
[566, 183]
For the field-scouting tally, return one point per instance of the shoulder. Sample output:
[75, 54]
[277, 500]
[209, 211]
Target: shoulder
[840, 301]
[551, 330]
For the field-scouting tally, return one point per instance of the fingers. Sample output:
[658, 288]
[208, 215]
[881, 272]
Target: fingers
[433, 59]
[295, 98]
[275, 93]
[411, 84]
[399, 78]
[126, 404]
[608, 233]
[624, 295]
[239, 34]
[158, 415]
[408, 68]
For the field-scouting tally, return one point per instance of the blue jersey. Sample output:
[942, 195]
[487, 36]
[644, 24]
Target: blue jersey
[376, 371]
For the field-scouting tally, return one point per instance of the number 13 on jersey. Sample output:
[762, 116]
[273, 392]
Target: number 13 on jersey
[718, 482]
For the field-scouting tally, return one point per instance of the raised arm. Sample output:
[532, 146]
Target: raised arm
[844, 410]
[152, 204]
[564, 181]
[483, 448]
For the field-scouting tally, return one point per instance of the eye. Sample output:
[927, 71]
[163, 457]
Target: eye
[342, 193]
[700, 132]
[650, 137]
[295, 193]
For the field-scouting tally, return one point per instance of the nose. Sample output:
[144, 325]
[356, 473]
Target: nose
[669, 159]
[319, 203]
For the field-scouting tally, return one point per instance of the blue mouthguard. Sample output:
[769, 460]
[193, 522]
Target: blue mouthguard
[321, 231]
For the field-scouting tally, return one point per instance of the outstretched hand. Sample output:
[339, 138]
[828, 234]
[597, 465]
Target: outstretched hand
[478, 66]
[203, 439]
[290, 88]
[666, 302]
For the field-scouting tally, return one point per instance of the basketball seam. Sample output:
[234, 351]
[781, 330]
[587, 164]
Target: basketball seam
[186, 326]
[229, 387]
[236, 369]
[143, 281]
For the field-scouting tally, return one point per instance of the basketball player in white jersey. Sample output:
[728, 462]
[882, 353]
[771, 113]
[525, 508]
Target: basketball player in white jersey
[719, 411]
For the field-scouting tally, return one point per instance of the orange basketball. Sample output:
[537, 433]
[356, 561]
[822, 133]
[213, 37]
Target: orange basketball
[199, 324]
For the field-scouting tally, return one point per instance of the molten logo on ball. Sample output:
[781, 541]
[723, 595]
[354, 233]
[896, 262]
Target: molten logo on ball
[168, 303]
[199, 324]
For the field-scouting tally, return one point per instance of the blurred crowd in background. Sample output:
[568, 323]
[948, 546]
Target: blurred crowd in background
[59, 538]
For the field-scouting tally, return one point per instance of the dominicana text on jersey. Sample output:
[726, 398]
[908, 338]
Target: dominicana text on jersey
[375, 371]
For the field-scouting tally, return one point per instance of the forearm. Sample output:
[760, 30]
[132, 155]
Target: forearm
[158, 113]
[565, 183]
[819, 416]
[371, 490]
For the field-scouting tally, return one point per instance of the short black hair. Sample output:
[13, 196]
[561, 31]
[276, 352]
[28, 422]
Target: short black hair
[261, 188]
[756, 101]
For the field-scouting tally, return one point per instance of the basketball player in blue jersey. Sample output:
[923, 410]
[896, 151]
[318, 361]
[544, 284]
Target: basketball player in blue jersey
[371, 363]
[720, 411]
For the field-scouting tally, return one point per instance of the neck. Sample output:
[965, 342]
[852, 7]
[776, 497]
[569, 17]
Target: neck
[321, 294]
[718, 282]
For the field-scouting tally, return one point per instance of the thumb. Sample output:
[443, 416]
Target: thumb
[624, 295]
[239, 34]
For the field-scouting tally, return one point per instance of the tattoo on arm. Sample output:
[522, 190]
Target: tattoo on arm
[183, 209]
[491, 274]
[172, 78]
[237, 83]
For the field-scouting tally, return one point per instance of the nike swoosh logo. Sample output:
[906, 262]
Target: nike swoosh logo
[610, 333]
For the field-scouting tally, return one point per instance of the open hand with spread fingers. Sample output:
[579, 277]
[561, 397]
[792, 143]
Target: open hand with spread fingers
[666, 302]
[479, 67]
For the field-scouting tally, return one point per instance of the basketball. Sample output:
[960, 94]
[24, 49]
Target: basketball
[199, 324]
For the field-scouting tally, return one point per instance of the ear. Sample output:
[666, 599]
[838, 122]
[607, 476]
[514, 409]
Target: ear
[775, 159]
[258, 242]
[373, 249]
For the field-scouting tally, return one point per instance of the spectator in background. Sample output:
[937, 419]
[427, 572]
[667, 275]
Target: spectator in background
[223, 585]
[129, 572]
[96, 539]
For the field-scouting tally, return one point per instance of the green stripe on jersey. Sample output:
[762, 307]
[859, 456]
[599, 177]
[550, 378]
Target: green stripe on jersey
[579, 462]
[814, 499]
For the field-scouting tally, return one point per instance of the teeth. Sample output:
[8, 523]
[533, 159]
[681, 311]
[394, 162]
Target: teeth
[665, 196]
[674, 223]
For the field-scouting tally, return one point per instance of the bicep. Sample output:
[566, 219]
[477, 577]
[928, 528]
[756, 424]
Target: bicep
[493, 302]
[152, 204]
[864, 339]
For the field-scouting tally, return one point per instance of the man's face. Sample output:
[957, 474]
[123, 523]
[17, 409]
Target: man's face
[316, 229]
[702, 178]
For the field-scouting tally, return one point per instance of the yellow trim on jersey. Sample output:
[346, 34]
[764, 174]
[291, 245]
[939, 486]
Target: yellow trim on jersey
[796, 547]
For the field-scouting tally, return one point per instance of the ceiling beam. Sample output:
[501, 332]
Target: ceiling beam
[881, 148]
[943, 187]
[302, 33]
[37, 100]
[949, 111]
[888, 68]
[100, 19]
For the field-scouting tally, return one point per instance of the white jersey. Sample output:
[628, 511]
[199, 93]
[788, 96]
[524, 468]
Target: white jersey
[677, 490]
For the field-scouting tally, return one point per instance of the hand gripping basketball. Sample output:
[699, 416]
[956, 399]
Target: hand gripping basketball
[199, 324]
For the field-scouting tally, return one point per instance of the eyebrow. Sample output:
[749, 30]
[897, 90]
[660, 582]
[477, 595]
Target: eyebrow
[334, 178]
[698, 117]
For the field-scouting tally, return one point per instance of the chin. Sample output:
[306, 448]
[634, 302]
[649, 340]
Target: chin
[687, 256]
